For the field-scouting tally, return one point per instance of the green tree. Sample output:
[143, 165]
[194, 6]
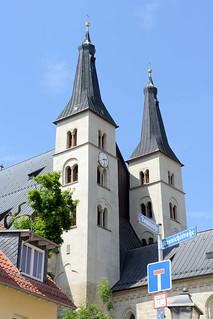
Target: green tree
[86, 311]
[55, 209]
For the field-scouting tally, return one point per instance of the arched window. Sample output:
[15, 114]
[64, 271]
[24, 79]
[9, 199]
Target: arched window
[170, 210]
[143, 209]
[169, 178]
[72, 138]
[69, 139]
[147, 176]
[99, 139]
[132, 316]
[149, 210]
[105, 218]
[172, 179]
[104, 141]
[75, 137]
[99, 216]
[104, 177]
[98, 175]
[175, 212]
[75, 173]
[144, 243]
[142, 178]
[68, 177]
[151, 241]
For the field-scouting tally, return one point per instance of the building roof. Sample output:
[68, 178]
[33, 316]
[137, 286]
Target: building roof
[86, 93]
[153, 135]
[18, 179]
[10, 276]
[191, 258]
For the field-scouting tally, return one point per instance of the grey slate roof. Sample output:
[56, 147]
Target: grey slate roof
[189, 259]
[86, 93]
[16, 180]
[153, 135]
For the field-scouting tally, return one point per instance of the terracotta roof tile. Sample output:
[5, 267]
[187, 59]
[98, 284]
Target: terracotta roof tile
[10, 275]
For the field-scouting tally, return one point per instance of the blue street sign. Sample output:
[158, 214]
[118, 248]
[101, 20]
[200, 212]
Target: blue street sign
[149, 223]
[160, 314]
[159, 276]
[178, 238]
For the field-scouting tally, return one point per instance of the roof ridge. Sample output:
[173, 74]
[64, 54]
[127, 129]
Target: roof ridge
[3, 170]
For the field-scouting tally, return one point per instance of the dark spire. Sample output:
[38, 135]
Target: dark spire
[86, 93]
[153, 135]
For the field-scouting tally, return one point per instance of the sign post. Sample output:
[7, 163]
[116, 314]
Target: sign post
[179, 238]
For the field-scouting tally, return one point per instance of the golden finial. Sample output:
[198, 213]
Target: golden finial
[150, 71]
[87, 24]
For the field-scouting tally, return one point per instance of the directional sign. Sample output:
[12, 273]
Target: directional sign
[160, 300]
[160, 314]
[159, 276]
[145, 221]
[178, 238]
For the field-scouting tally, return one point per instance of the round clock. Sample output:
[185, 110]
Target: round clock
[103, 159]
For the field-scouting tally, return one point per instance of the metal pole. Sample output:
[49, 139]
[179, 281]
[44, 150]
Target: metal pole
[160, 250]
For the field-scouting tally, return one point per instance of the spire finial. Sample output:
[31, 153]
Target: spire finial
[150, 71]
[87, 24]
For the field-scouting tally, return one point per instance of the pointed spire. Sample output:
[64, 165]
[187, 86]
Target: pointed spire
[153, 135]
[86, 93]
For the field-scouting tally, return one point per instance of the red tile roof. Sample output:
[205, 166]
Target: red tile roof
[2, 227]
[11, 276]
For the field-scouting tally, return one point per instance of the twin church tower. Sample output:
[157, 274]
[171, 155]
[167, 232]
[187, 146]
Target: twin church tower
[91, 163]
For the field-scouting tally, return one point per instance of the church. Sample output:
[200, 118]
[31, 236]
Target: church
[107, 239]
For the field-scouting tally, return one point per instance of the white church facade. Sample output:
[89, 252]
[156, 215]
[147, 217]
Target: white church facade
[106, 239]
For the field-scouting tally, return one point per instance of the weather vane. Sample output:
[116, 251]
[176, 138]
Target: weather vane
[87, 23]
[150, 70]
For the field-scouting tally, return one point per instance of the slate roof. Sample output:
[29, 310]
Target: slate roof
[86, 93]
[153, 135]
[189, 259]
[17, 180]
[10, 276]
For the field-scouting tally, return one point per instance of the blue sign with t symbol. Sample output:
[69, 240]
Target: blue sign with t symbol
[159, 276]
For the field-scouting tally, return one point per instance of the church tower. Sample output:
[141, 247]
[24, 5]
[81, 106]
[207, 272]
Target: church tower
[85, 153]
[155, 175]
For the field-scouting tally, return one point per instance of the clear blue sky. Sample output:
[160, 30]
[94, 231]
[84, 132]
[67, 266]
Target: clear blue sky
[38, 58]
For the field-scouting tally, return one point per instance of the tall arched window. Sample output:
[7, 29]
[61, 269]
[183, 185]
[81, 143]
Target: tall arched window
[172, 180]
[143, 209]
[175, 212]
[98, 175]
[99, 139]
[103, 141]
[105, 218]
[170, 210]
[75, 173]
[75, 137]
[99, 215]
[149, 210]
[142, 178]
[72, 138]
[147, 176]
[68, 177]
[169, 178]
[69, 139]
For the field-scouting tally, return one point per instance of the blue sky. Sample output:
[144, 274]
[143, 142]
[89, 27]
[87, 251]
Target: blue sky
[38, 58]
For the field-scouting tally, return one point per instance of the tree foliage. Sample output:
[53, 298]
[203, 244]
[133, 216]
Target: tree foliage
[55, 209]
[86, 311]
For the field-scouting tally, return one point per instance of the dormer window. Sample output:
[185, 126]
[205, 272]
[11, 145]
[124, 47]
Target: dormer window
[32, 262]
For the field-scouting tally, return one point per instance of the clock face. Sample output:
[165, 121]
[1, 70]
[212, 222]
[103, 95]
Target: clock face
[103, 159]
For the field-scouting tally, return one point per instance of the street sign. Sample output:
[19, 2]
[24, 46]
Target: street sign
[160, 314]
[159, 276]
[145, 221]
[178, 238]
[160, 300]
